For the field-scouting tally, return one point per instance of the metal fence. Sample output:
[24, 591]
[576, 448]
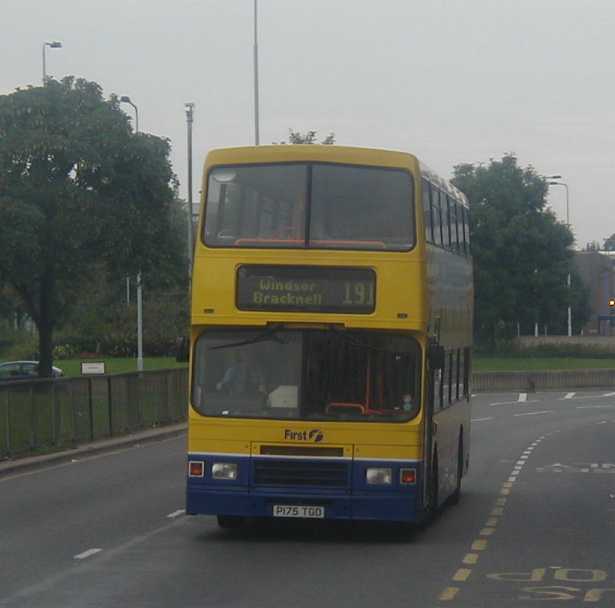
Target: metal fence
[46, 415]
[542, 380]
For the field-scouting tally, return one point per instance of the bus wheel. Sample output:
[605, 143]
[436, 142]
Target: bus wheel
[456, 495]
[230, 522]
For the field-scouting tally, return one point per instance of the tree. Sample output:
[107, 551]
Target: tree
[522, 253]
[11, 310]
[309, 137]
[78, 189]
[102, 321]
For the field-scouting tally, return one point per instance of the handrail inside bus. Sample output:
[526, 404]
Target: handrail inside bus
[338, 405]
[375, 244]
[259, 241]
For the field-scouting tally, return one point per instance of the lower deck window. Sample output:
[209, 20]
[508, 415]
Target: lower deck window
[307, 375]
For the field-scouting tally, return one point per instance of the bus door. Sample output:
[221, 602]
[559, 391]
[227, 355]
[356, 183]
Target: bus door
[435, 361]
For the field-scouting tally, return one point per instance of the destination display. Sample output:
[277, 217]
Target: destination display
[306, 289]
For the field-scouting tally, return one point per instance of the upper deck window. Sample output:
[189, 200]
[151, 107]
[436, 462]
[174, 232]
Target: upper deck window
[321, 206]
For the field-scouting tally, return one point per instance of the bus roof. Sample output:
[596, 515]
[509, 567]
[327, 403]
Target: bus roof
[312, 152]
[329, 153]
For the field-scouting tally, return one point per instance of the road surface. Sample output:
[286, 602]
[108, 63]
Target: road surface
[536, 523]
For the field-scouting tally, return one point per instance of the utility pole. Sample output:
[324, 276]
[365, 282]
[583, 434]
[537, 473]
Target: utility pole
[126, 99]
[56, 44]
[568, 278]
[256, 110]
[189, 120]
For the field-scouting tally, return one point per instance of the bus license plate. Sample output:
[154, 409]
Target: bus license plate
[303, 511]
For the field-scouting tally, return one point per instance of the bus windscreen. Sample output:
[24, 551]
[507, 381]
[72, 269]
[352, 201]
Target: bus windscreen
[322, 206]
[306, 375]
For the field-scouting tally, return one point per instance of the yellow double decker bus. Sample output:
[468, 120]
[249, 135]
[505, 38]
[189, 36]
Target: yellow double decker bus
[331, 334]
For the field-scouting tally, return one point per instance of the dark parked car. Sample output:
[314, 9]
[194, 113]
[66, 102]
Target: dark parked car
[23, 370]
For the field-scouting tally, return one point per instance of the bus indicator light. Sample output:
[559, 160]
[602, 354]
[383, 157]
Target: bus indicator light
[196, 468]
[407, 477]
[611, 302]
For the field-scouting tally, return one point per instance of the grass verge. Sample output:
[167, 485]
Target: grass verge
[72, 367]
[523, 364]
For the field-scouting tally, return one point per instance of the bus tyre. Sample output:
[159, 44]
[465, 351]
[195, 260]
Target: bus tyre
[230, 522]
[456, 495]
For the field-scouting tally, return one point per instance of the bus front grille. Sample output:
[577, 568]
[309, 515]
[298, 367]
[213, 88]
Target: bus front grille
[300, 473]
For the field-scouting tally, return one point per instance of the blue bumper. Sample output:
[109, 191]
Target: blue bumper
[350, 498]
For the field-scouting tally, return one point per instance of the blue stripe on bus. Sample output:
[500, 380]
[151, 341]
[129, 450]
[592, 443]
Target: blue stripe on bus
[352, 500]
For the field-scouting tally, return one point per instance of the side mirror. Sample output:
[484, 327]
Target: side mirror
[183, 349]
[436, 356]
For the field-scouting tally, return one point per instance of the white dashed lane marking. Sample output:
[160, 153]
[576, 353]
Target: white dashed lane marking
[87, 553]
[535, 413]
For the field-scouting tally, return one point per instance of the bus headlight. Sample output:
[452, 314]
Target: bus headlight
[379, 476]
[224, 470]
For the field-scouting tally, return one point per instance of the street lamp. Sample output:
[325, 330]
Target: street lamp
[256, 132]
[52, 45]
[126, 99]
[189, 119]
[567, 199]
[568, 281]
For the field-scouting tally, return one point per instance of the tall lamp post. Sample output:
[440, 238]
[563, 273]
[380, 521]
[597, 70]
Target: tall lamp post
[56, 44]
[189, 119]
[126, 99]
[256, 129]
[568, 279]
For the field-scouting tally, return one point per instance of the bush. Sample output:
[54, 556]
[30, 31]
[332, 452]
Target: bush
[19, 345]
[73, 344]
[64, 351]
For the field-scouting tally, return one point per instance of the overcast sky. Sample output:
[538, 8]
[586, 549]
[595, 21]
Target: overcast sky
[450, 81]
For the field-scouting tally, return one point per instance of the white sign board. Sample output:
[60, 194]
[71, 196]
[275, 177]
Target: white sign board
[92, 368]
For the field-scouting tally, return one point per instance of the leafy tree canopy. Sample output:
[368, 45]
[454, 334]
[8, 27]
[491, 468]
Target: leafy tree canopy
[78, 188]
[522, 253]
[309, 137]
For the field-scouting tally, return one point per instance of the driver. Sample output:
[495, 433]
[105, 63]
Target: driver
[243, 377]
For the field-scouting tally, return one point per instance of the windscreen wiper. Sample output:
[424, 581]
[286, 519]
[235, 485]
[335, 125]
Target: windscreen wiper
[267, 334]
